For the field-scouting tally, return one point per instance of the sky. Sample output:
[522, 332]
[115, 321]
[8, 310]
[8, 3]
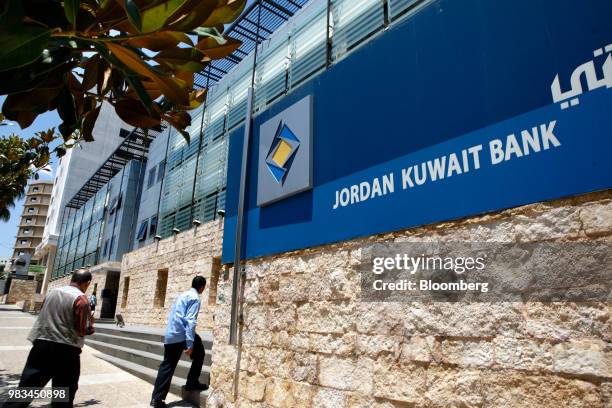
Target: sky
[8, 230]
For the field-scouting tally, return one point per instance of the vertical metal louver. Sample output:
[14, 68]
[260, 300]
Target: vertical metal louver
[172, 183]
[271, 71]
[352, 22]
[237, 102]
[177, 192]
[308, 43]
[399, 7]
[211, 179]
[216, 110]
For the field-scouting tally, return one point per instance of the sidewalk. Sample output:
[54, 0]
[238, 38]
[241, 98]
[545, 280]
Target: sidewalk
[102, 385]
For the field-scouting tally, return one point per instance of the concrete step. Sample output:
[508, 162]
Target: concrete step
[145, 358]
[126, 332]
[149, 375]
[149, 346]
[144, 333]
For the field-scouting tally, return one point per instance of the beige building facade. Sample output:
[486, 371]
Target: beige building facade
[309, 340]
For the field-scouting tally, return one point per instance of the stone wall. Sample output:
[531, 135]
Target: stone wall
[22, 291]
[309, 341]
[185, 255]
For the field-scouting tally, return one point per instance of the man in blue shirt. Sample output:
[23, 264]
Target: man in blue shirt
[181, 336]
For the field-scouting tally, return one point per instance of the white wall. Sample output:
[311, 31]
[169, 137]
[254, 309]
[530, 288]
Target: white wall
[81, 162]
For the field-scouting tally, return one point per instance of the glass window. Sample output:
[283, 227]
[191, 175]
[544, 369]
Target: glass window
[115, 204]
[33, 199]
[26, 230]
[35, 189]
[153, 228]
[161, 168]
[151, 177]
[28, 221]
[23, 241]
[30, 210]
[142, 231]
[105, 250]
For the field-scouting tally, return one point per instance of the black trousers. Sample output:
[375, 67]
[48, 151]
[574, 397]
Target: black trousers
[57, 362]
[172, 355]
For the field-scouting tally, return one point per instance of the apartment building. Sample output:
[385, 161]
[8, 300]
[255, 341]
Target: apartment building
[31, 225]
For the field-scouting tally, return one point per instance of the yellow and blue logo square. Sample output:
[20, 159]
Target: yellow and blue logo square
[282, 152]
[285, 153]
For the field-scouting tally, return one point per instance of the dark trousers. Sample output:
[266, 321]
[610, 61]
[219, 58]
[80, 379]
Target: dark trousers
[172, 355]
[57, 362]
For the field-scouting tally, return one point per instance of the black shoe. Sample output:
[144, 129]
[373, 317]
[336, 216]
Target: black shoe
[196, 387]
[158, 404]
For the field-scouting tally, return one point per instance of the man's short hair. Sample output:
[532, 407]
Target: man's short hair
[81, 276]
[198, 283]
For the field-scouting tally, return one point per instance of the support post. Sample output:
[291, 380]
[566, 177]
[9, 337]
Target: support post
[238, 270]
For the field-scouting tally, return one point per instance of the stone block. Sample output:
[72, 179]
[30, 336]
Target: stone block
[467, 353]
[596, 218]
[562, 321]
[374, 345]
[346, 374]
[419, 349]
[330, 398]
[325, 317]
[282, 317]
[381, 318]
[339, 344]
[287, 394]
[304, 367]
[275, 362]
[588, 357]
[252, 386]
[522, 354]
[406, 383]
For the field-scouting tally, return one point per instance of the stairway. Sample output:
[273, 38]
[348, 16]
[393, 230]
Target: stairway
[140, 350]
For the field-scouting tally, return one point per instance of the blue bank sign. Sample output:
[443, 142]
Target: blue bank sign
[472, 116]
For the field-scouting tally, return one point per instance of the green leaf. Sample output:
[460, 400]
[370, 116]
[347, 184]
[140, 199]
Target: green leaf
[89, 121]
[215, 50]
[193, 17]
[159, 41]
[133, 14]
[226, 13]
[133, 113]
[22, 47]
[12, 15]
[60, 151]
[211, 32]
[183, 59]
[170, 87]
[71, 9]
[154, 18]
[144, 97]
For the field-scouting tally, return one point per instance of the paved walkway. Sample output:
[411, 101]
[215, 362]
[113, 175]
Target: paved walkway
[101, 384]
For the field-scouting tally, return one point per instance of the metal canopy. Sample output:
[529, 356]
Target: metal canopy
[260, 19]
[134, 147]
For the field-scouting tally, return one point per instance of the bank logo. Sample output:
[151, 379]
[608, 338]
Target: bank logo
[282, 152]
[285, 153]
[588, 72]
